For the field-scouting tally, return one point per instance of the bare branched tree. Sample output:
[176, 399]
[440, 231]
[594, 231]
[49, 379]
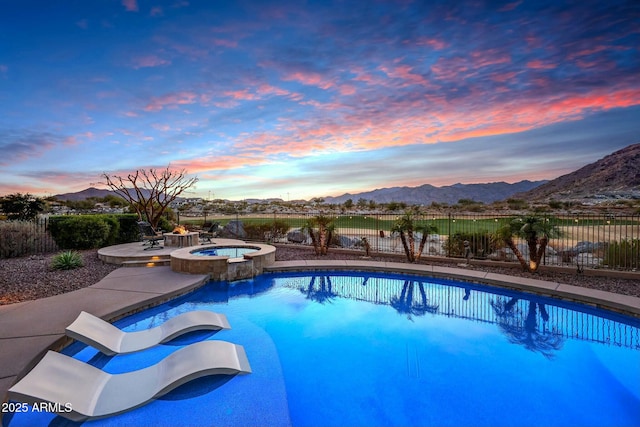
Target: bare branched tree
[150, 191]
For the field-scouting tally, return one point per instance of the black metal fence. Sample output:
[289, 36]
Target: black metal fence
[584, 240]
[20, 238]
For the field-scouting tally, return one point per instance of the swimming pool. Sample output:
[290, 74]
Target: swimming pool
[329, 348]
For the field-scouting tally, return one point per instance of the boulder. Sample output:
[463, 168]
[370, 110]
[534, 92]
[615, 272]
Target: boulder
[346, 242]
[234, 230]
[297, 236]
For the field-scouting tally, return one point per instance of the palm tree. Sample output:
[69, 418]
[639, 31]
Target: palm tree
[407, 305]
[407, 226]
[535, 231]
[320, 229]
[523, 329]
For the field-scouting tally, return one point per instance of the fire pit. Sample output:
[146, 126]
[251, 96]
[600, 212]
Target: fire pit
[180, 237]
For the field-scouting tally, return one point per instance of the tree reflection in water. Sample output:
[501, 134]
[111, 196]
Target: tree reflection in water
[406, 304]
[523, 329]
[324, 292]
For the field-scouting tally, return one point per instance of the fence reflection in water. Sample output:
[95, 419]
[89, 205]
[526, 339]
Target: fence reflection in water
[539, 323]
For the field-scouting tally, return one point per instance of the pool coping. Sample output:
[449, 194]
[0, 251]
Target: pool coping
[28, 329]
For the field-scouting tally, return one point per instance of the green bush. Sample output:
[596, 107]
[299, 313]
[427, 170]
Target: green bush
[165, 225]
[479, 243]
[67, 260]
[625, 254]
[83, 231]
[128, 226]
[93, 231]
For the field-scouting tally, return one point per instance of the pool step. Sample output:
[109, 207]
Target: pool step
[147, 262]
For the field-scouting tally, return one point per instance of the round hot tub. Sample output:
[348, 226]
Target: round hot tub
[227, 259]
[230, 251]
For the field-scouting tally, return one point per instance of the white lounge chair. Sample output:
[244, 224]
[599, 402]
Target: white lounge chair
[110, 340]
[80, 391]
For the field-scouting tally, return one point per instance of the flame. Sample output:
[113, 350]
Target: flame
[180, 230]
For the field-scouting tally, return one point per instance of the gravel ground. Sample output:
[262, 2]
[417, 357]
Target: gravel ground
[28, 278]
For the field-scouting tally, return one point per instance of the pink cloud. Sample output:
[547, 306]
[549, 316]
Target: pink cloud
[130, 5]
[267, 89]
[405, 73]
[243, 94]
[433, 43]
[309, 79]
[510, 6]
[172, 100]
[489, 57]
[537, 64]
[156, 11]
[146, 61]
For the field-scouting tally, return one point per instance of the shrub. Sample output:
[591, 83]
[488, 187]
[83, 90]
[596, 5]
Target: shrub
[67, 260]
[625, 254]
[83, 232]
[128, 228]
[88, 231]
[19, 238]
[165, 225]
[479, 243]
[267, 231]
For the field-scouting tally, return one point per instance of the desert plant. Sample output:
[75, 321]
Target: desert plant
[407, 226]
[479, 244]
[623, 254]
[535, 231]
[150, 191]
[320, 229]
[67, 260]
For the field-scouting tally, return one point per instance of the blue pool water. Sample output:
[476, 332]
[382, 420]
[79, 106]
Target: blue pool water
[335, 349]
[230, 251]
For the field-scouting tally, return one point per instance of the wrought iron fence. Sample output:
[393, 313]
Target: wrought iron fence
[20, 238]
[583, 240]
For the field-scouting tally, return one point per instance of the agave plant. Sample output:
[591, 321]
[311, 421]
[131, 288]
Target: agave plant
[407, 226]
[67, 260]
[535, 231]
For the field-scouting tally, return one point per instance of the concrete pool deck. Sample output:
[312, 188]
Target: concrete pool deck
[29, 329]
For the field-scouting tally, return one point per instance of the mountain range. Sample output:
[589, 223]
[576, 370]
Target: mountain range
[91, 192]
[617, 175]
[450, 194]
[614, 176]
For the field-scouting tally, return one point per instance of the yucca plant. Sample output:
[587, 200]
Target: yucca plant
[67, 260]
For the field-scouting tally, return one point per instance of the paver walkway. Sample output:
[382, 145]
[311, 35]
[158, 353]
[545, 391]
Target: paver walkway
[28, 329]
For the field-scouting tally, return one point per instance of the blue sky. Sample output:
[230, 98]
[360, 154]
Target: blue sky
[316, 98]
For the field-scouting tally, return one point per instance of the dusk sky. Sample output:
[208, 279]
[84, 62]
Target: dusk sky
[301, 99]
